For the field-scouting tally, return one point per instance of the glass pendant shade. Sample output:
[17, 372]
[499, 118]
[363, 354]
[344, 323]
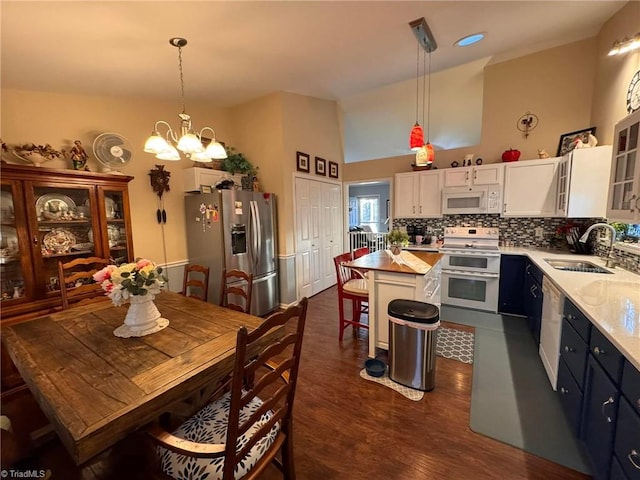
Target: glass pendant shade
[190, 143]
[416, 138]
[156, 144]
[170, 154]
[431, 154]
[201, 157]
[215, 150]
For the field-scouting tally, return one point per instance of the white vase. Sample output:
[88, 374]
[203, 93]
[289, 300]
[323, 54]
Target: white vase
[142, 314]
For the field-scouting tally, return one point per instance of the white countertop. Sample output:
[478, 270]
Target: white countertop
[610, 301]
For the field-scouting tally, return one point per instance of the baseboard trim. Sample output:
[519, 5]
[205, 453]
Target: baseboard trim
[284, 306]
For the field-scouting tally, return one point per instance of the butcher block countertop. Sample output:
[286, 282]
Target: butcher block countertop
[417, 263]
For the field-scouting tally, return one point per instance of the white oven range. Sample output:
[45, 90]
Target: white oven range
[471, 268]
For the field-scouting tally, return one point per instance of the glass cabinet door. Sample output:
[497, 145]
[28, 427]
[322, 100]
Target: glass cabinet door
[65, 229]
[118, 225]
[624, 198]
[13, 287]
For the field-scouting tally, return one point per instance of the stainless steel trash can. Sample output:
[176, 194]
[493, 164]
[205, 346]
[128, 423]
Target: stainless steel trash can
[412, 343]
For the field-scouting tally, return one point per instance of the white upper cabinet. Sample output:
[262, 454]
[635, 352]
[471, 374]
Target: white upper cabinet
[478, 175]
[583, 183]
[530, 188]
[418, 194]
[624, 188]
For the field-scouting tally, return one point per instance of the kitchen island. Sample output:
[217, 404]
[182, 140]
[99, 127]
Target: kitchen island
[389, 280]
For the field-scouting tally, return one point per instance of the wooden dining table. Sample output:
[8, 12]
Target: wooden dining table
[96, 388]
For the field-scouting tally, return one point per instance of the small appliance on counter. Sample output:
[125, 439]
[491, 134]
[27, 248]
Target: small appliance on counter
[411, 231]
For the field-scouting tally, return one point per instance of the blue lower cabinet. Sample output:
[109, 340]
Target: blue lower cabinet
[631, 385]
[511, 284]
[627, 443]
[574, 351]
[599, 418]
[616, 470]
[570, 396]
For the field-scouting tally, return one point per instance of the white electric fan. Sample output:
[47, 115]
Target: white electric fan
[113, 151]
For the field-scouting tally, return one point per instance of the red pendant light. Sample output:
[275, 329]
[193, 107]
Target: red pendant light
[431, 154]
[416, 139]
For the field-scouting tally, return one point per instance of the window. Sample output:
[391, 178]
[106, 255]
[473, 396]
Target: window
[369, 211]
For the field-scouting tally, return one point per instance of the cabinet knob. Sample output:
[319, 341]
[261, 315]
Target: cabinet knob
[35, 240]
[569, 317]
[568, 349]
[563, 390]
[609, 401]
[598, 351]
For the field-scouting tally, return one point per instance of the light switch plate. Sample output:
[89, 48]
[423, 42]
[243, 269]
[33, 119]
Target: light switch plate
[539, 232]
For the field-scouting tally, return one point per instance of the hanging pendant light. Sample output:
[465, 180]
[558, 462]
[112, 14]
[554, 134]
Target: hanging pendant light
[425, 154]
[189, 142]
[416, 138]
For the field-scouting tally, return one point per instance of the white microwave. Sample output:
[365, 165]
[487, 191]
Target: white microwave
[475, 199]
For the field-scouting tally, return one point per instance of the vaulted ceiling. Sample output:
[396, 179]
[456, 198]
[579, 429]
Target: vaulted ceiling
[240, 50]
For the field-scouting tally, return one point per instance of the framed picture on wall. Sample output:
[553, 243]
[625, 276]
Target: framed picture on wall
[321, 166]
[568, 140]
[302, 162]
[333, 169]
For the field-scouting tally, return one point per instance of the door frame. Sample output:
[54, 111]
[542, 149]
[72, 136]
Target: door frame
[345, 213]
[306, 176]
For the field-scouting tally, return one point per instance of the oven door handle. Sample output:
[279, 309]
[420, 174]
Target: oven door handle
[460, 273]
[467, 253]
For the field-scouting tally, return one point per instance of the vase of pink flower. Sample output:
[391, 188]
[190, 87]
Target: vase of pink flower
[137, 284]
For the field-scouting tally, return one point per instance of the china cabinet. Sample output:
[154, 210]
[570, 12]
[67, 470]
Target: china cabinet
[49, 215]
[624, 187]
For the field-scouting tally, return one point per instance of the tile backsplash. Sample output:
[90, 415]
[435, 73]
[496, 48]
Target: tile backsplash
[519, 232]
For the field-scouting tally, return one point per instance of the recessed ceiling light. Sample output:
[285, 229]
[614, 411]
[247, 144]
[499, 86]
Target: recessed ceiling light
[469, 40]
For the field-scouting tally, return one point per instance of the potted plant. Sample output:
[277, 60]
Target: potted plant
[236, 162]
[396, 240]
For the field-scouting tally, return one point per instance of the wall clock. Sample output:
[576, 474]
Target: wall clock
[633, 93]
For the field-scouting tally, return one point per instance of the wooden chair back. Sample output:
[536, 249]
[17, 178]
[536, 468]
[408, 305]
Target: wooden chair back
[234, 276]
[77, 285]
[273, 375]
[196, 282]
[343, 274]
[359, 252]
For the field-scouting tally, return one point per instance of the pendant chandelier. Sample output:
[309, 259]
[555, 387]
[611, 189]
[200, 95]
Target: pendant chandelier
[190, 143]
[424, 151]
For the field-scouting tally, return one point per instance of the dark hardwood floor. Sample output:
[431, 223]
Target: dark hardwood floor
[350, 428]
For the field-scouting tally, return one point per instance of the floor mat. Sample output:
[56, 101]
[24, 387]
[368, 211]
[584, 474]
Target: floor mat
[513, 402]
[410, 393]
[455, 344]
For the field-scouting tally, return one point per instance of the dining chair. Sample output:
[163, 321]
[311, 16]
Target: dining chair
[350, 288]
[241, 433]
[76, 282]
[360, 252]
[230, 286]
[196, 282]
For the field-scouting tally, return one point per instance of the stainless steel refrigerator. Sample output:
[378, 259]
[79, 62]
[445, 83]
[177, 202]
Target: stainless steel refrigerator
[230, 229]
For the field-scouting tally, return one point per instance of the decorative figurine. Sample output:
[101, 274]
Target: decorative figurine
[79, 156]
[542, 153]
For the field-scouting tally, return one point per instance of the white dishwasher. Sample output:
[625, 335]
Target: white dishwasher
[551, 329]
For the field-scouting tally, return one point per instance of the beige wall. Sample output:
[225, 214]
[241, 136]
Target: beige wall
[543, 83]
[614, 73]
[57, 119]
[270, 130]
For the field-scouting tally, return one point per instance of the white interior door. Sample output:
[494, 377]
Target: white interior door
[315, 198]
[303, 236]
[331, 231]
[319, 234]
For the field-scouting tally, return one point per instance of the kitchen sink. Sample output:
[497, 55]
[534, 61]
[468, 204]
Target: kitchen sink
[576, 266]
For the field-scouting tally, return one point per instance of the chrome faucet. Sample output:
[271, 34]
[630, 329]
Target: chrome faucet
[611, 261]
